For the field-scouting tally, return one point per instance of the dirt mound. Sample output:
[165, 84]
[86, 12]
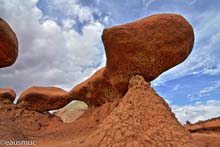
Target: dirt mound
[20, 123]
[142, 118]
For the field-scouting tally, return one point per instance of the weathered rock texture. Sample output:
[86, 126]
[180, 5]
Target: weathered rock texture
[206, 133]
[147, 47]
[8, 45]
[142, 118]
[17, 123]
[7, 95]
[43, 98]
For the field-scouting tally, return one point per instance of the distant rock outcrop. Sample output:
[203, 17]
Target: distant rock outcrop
[43, 98]
[204, 126]
[206, 133]
[7, 95]
[72, 111]
[8, 45]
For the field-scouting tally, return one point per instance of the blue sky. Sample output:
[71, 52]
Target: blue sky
[60, 45]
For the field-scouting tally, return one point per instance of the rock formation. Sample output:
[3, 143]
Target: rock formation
[7, 95]
[206, 133]
[8, 45]
[142, 118]
[43, 98]
[17, 123]
[120, 113]
[146, 47]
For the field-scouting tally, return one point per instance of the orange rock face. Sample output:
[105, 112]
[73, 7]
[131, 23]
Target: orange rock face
[146, 47]
[8, 45]
[206, 133]
[7, 95]
[43, 98]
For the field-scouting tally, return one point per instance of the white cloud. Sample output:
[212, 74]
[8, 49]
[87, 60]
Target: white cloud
[198, 111]
[72, 8]
[214, 86]
[68, 23]
[50, 54]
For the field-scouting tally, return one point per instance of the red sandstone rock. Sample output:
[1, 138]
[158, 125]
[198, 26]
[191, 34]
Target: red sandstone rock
[43, 98]
[97, 90]
[8, 45]
[146, 47]
[206, 133]
[7, 95]
[17, 123]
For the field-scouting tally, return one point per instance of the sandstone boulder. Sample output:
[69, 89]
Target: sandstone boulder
[8, 45]
[7, 95]
[43, 98]
[147, 47]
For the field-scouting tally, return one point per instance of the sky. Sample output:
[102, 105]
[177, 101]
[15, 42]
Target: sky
[60, 45]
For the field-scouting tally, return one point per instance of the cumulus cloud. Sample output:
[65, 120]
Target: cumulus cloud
[51, 53]
[197, 111]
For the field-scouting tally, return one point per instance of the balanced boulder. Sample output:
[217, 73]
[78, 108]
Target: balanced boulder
[7, 95]
[147, 47]
[8, 45]
[43, 98]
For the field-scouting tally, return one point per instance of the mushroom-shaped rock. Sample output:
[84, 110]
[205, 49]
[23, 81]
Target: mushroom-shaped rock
[43, 98]
[147, 47]
[8, 45]
[7, 95]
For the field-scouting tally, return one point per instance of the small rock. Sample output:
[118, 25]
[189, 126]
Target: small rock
[7, 95]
